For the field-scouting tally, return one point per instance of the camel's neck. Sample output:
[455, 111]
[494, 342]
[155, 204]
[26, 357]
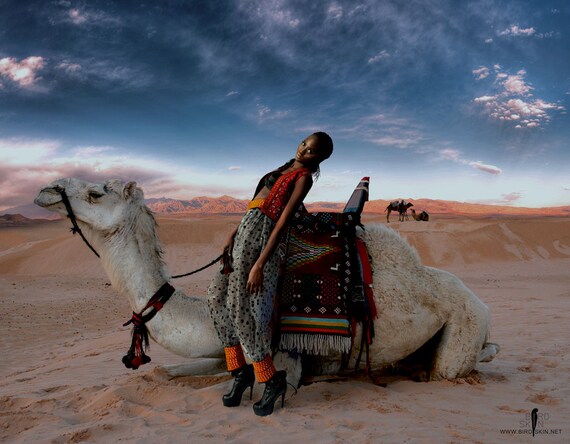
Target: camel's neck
[132, 260]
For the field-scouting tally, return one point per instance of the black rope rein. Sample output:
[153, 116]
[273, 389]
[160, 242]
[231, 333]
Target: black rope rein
[136, 355]
[199, 269]
[71, 216]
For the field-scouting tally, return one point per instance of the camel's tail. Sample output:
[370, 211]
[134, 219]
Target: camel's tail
[489, 351]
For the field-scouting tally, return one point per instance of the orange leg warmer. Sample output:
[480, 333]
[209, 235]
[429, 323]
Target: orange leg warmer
[264, 370]
[234, 357]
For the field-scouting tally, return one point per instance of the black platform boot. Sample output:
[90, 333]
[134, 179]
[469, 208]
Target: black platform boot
[275, 387]
[244, 378]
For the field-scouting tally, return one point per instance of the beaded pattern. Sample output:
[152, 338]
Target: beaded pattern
[264, 370]
[234, 357]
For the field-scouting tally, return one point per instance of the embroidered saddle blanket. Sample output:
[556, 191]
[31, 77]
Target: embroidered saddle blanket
[314, 297]
[326, 282]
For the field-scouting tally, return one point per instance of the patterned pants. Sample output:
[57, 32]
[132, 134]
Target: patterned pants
[240, 317]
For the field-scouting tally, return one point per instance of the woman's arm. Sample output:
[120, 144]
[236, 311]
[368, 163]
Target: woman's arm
[230, 241]
[302, 187]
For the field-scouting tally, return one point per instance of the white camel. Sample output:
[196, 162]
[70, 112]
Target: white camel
[415, 303]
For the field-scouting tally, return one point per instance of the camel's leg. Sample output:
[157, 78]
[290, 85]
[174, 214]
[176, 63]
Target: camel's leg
[199, 367]
[457, 352]
[490, 350]
[293, 367]
[388, 217]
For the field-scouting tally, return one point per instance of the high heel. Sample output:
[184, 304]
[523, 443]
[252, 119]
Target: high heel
[275, 387]
[244, 378]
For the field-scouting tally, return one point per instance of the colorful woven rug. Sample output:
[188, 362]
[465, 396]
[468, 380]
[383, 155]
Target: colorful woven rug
[316, 285]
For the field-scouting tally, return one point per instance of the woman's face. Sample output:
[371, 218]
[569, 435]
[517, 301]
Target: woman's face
[309, 152]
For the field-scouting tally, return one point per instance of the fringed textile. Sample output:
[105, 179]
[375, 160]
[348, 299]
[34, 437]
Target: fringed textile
[316, 344]
[317, 283]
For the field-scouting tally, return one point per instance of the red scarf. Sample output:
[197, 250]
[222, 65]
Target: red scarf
[278, 197]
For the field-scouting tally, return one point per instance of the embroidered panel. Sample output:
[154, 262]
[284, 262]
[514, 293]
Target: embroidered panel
[314, 299]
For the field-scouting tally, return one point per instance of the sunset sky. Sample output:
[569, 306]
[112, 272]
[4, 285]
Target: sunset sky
[455, 100]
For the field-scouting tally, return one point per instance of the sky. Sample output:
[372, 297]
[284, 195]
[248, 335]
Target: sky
[454, 100]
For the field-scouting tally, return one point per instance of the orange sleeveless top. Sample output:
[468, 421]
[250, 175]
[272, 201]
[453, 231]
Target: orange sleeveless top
[275, 202]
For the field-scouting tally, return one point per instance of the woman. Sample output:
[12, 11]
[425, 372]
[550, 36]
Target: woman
[241, 301]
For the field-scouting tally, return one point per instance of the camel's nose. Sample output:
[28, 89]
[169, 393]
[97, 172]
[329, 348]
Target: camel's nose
[47, 197]
[50, 194]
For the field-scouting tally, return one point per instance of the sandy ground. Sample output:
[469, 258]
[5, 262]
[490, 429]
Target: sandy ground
[62, 379]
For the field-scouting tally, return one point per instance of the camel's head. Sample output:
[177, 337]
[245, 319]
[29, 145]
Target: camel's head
[103, 207]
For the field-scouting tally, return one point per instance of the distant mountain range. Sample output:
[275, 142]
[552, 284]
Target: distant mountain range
[17, 220]
[230, 205]
[200, 205]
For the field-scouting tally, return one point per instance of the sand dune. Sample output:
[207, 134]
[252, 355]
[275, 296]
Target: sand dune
[62, 379]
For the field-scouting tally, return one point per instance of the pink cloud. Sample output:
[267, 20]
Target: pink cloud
[515, 30]
[76, 16]
[505, 199]
[515, 84]
[485, 99]
[378, 57]
[457, 157]
[69, 68]
[23, 72]
[451, 154]
[511, 197]
[26, 165]
[20, 186]
[491, 169]
[514, 102]
[481, 73]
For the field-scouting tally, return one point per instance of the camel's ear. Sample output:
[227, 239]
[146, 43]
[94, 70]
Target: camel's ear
[129, 190]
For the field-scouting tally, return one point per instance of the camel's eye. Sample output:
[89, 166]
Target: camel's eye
[93, 195]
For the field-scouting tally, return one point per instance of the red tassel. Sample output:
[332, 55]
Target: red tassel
[136, 356]
[367, 277]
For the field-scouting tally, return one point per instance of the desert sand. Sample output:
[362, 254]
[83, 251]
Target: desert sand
[62, 379]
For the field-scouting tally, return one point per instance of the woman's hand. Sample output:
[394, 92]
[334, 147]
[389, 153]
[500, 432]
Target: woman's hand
[255, 279]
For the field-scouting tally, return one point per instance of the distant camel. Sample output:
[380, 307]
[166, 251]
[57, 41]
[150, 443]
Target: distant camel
[402, 209]
[423, 216]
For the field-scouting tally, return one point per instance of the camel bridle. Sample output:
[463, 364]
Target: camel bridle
[136, 355]
[75, 228]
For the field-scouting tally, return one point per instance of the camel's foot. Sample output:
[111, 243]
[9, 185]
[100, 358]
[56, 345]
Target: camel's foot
[198, 367]
[489, 351]
[292, 365]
